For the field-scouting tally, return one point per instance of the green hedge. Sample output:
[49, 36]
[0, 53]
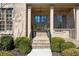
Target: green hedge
[6, 42]
[56, 47]
[57, 40]
[67, 45]
[71, 52]
[23, 44]
[56, 44]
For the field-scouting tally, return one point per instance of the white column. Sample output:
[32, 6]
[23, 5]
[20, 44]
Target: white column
[74, 12]
[51, 20]
[29, 20]
[77, 23]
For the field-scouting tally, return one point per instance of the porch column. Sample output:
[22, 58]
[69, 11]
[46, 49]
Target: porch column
[74, 12]
[77, 23]
[29, 21]
[51, 20]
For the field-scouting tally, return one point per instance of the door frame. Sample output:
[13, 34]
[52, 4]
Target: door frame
[40, 24]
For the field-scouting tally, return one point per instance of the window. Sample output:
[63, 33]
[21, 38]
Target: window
[9, 19]
[59, 22]
[5, 19]
[2, 25]
[37, 19]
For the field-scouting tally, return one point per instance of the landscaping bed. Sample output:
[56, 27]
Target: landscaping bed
[56, 54]
[61, 48]
[21, 46]
[18, 47]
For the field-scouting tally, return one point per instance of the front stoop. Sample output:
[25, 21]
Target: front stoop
[41, 41]
[41, 45]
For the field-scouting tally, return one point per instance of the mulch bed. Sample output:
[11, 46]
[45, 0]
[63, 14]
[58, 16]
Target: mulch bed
[15, 52]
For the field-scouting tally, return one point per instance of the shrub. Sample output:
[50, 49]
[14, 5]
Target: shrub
[67, 45]
[56, 44]
[55, 47]
[57, 40]
[23, 44]
[77, 47]
[6, 42]
[71, 52]
[5, 53]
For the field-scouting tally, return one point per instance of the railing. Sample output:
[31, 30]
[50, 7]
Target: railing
[59, 29]
[66, 32]
[32, 35]
[49, 35]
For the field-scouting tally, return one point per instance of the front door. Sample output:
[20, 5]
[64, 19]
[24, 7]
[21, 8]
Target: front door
[40, 23]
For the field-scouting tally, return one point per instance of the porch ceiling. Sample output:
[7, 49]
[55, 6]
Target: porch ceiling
[62, 11]
[43, 6]
[58, 5]
[58, 8]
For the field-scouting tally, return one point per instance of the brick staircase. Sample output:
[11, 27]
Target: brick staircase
[41, 40]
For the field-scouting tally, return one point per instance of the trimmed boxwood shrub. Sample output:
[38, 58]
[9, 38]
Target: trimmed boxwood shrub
[55, 47]
[21, 39]
[67, 45]
[23, 45]
[56, 44]
[71, 52]
[6, 42]
[5, 53]
[57, 40]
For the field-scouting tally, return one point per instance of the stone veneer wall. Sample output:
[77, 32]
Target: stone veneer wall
[19, 19]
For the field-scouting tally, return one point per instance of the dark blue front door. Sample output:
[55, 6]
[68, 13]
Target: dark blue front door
[40, 23]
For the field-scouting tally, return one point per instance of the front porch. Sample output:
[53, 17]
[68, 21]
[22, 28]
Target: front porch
[59, 20]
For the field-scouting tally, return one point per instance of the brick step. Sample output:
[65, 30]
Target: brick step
[40, 47]
[40, 38]
[41, 43]
[41, 34]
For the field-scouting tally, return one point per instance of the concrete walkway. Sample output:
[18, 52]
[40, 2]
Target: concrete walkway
[40, 45]
[40, 52]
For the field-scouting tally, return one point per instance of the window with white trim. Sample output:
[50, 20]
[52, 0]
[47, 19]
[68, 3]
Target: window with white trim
[59, 22]
[5, 19]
